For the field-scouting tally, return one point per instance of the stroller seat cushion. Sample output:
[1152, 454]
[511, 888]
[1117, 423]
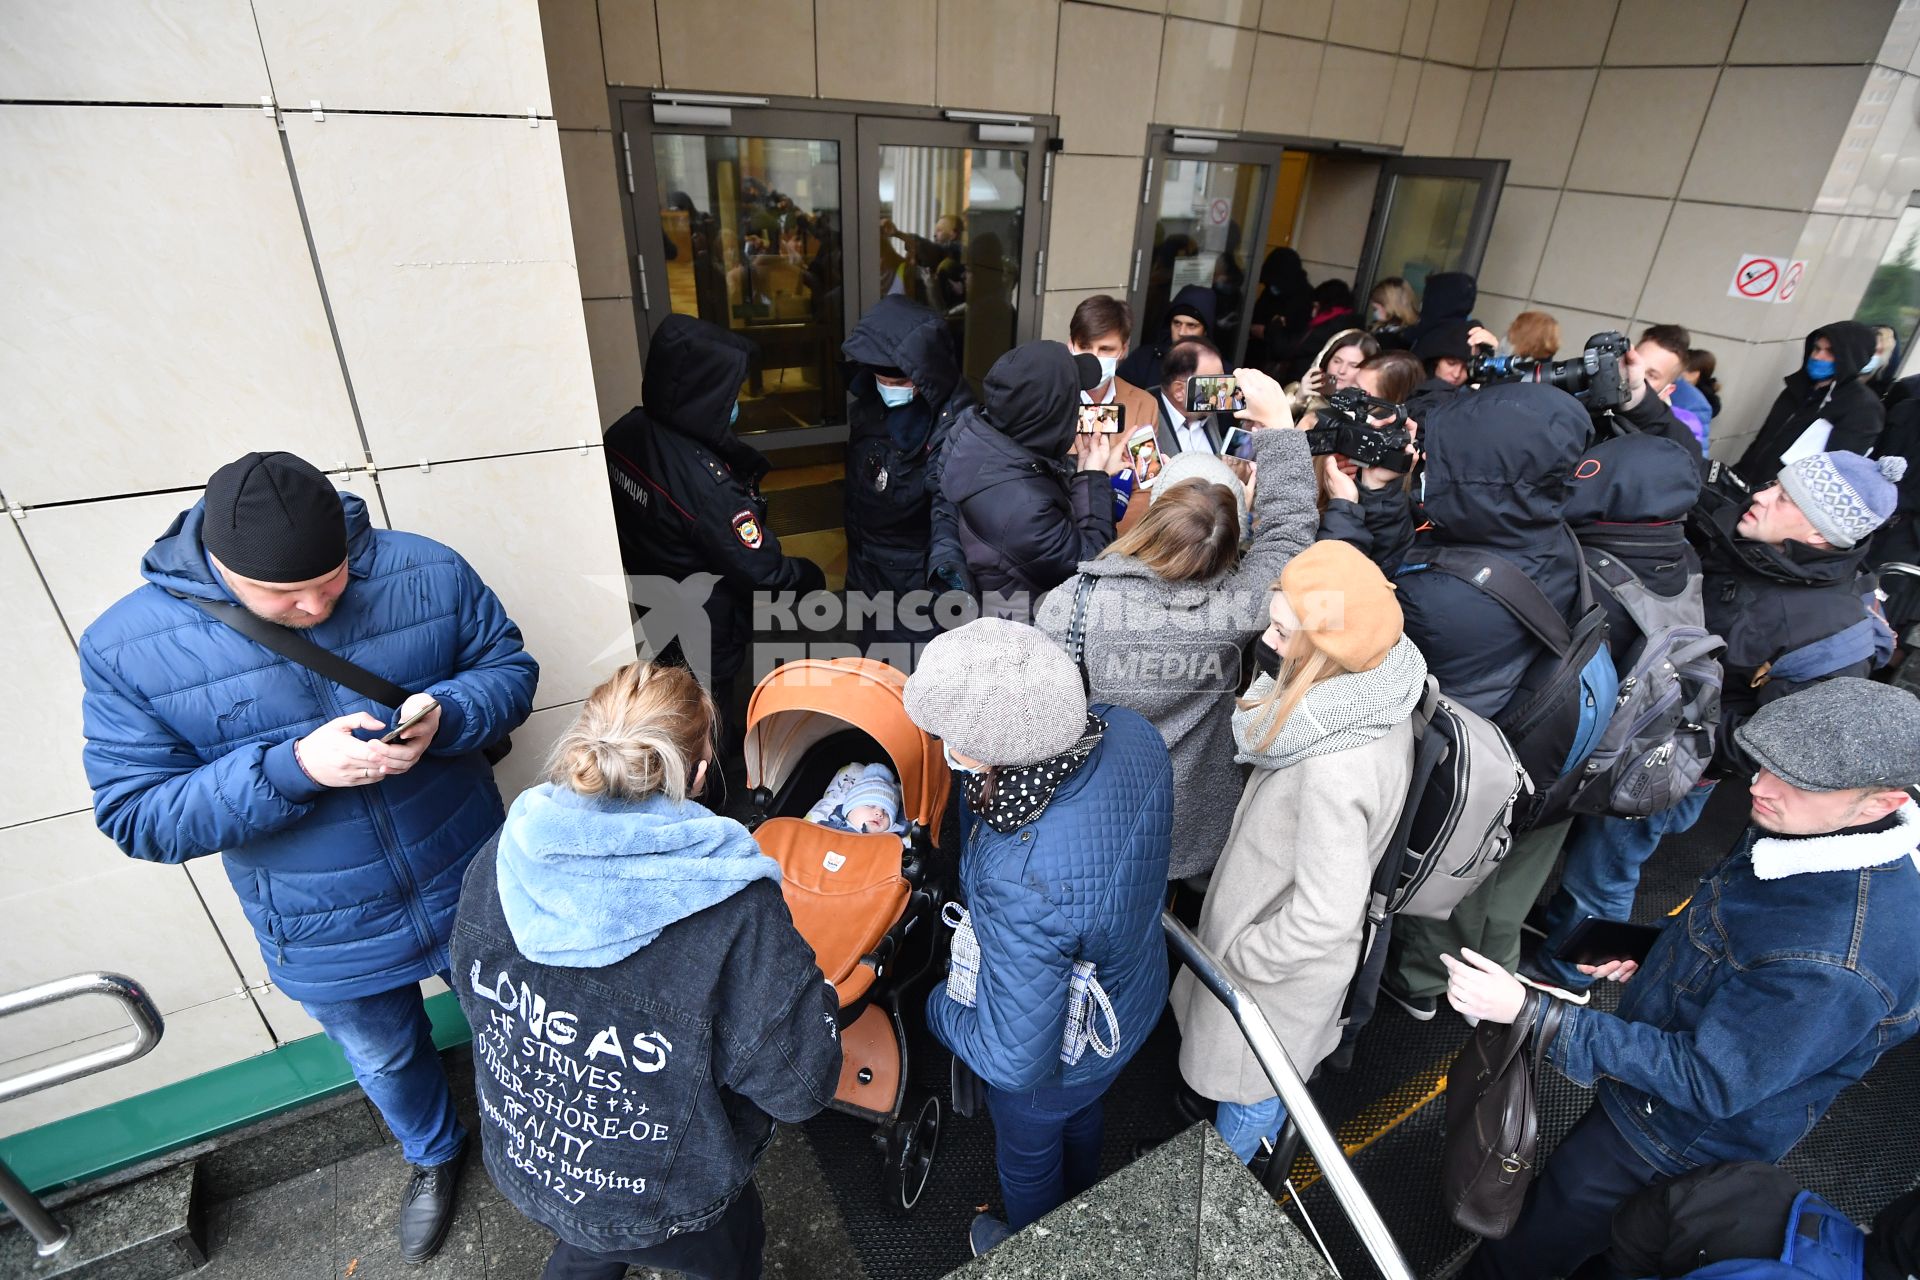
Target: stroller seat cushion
[845, 891]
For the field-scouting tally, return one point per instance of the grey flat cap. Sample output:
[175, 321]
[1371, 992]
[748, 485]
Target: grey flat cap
[1000, 692]
[1837, 735]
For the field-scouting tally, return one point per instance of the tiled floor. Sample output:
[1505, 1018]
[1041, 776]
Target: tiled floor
[338, 1222]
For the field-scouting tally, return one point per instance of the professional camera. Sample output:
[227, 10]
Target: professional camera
[1355, 425]
[1595, 375]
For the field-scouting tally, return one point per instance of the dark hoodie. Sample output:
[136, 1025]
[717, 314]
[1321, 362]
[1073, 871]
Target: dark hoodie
[686, 493]
[899, 528]
[1026, 517]
[1499, 464]
[1285, 305]
[1449, 296]
[1630, 499]
[1846, 401]
[1142, 366]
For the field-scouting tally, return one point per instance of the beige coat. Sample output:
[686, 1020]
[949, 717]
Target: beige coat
[1286, 907]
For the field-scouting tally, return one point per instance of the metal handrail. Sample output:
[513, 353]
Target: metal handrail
[148, 1025]
[1286, 1081]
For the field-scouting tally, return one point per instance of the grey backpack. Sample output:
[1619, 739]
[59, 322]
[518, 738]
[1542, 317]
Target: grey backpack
[1660, 738]
[1458, 822]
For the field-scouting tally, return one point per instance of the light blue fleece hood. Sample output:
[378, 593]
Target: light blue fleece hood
[587, 881]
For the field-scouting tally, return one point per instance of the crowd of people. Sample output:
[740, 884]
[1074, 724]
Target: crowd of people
[1199, 683]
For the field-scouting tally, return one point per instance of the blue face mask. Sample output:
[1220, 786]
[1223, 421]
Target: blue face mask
[735, 415]
[1819, 370]
[953, 764]
[894, 397]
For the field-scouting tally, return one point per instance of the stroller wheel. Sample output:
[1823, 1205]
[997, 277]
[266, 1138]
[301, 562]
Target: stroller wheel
[909, 1155]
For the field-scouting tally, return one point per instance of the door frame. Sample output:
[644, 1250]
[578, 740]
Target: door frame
[1493, 180]
[1228, 149]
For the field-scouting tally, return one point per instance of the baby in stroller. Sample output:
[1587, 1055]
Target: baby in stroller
[863, 798]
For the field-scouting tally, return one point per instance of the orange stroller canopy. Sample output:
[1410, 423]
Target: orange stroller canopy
[802, 703]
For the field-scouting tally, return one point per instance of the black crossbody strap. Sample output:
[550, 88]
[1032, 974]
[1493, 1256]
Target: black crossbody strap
[294, 647]
[1077, 629]
[1513, 590]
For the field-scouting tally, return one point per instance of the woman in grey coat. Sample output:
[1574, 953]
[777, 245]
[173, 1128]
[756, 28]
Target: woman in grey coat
[1171, 606]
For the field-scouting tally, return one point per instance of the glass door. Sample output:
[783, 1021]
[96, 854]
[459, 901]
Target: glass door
[946, 220]
[1429, 216]
[750, 229]
[1206, 214]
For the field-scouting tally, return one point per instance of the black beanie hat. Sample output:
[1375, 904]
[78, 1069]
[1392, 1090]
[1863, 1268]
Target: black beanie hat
[273, 517]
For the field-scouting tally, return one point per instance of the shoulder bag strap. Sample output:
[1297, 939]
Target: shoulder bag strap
[294, 647]
[1514, 591]
[1077, 629]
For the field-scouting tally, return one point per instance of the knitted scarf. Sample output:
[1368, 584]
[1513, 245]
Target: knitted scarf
[1347, 710]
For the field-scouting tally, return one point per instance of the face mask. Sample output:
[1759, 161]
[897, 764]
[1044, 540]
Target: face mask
[735, 415]
[1266, 657]
[1819, 370]
[894, 397]
[953, 764]
[1872, 365]
[1107, 366]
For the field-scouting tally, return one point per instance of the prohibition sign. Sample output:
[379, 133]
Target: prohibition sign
[1791, 281]
[1219, 211]
[1758, 278]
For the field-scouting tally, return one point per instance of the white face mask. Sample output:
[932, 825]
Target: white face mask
[1872, 364]
[953, 764]
[894, 397]
[1108, 364]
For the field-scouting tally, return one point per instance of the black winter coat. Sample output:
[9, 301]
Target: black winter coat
[686, 490]
[1498, 466]
[899, 526]
[1847, 402]
[1630, 499]
[623, 1105]
[1141, 367]
[1026, 517]
[1449, 297]
[1899, 538]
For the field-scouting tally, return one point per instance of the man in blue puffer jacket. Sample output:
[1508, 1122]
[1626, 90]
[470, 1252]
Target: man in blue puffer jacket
[347, 853]
[1067, 812]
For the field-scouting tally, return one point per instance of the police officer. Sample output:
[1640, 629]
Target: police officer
[904, 391]
[686, 494]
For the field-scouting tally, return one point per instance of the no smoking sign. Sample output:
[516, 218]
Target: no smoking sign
[1761, 277]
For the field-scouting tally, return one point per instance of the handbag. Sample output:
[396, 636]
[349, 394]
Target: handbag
[1493, 1121]
[294, 647]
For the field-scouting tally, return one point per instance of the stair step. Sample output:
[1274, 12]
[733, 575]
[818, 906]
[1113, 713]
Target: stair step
[149, 1229]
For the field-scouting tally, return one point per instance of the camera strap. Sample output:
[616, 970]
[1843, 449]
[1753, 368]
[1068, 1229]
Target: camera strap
[1077, 629]
[1517, 593]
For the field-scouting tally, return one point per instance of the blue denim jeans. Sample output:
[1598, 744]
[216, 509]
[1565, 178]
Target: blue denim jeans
[1242, 1125]
[1602, 873]
[388, 1041]
[1046, 1146]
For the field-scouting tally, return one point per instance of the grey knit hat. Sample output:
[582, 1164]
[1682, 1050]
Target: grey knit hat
[1837, 735]
[998, 691]
[1845, 496]
[1193, 464]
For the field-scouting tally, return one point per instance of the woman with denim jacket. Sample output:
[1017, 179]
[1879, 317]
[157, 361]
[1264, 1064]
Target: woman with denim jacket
[643, 1010]
[1067, 813]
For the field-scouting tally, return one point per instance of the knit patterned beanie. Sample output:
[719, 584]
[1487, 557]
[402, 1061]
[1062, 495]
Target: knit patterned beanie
[1843, 495]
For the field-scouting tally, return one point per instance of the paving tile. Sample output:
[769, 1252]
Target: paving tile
[280, 1233]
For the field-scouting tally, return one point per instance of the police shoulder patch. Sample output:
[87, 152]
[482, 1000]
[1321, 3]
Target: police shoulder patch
[746, 527]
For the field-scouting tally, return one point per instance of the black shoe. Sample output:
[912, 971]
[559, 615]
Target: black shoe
[1419, 1008]
[426, 1210]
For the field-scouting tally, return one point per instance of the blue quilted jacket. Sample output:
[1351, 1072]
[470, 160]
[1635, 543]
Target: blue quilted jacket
[190, 729]
[1084, 882]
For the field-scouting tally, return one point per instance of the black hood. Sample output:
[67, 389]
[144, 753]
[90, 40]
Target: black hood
[694, 374]
[1199, 301]
[1282, 270]
[1500, 463]
[1853, 345]
[1033, 397]
[1450, 295]
[1634, 479]
[898, 333]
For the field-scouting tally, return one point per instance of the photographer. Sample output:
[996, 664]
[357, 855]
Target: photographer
[1173, 603]
[1499, 464]
[1335, 369]
[1034, 497]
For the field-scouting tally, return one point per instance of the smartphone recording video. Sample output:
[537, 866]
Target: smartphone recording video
[1215, 393]
[1103, 419]
[1144, 450]
[1237, 442]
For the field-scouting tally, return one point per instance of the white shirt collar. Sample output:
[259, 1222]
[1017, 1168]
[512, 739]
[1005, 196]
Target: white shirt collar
[1174, 415]
[1113, 389]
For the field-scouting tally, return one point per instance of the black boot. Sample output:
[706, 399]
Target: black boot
[426, 1210]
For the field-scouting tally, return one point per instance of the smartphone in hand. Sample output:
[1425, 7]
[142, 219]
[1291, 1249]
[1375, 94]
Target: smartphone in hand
[1215, 393]
[399, 731]
[1103, 419]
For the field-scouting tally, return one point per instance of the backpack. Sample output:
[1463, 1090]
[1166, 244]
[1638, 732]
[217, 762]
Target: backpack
[1659, 740]
[1821, 1244]
[1564, 701]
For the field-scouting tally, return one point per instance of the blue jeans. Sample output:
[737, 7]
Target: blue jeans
[1243, 1124]
[1046, 1146]
[1602, 874]
[388, 1041]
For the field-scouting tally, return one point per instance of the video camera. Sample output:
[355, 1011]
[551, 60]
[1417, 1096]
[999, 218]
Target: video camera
[1361, 430]
[1595, 376]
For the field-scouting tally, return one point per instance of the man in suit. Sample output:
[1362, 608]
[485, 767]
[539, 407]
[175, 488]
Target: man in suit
[1179, 430]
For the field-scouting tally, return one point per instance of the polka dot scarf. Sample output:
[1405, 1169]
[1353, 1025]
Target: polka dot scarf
[1010, 798]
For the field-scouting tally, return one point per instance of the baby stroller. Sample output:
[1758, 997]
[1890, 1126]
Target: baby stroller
[868, 904]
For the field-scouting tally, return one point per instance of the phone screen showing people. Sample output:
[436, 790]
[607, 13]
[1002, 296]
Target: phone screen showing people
[1215, 393]
[1103, 419]
[1237, 442]
[1144, 450]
